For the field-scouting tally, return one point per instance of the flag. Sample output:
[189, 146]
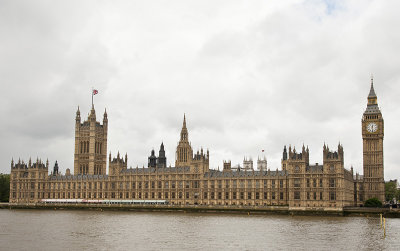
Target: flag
[95, 92]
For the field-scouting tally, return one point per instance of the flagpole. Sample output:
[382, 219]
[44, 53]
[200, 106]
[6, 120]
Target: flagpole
[92, 96]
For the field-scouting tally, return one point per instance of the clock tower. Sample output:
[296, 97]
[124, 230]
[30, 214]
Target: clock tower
[372, 134]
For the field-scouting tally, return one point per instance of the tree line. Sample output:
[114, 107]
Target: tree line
[391, 191]
[4, 187]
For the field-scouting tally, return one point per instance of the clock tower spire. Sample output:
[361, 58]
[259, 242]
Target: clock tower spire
[372, 134]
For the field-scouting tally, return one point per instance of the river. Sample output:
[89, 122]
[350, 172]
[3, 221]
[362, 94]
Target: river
[117, 230]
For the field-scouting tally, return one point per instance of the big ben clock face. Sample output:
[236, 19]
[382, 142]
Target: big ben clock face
[372, 127]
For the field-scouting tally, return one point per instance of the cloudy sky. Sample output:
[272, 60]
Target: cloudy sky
[250, 75]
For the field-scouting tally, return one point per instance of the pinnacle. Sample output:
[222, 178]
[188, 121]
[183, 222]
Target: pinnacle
[184, 121]
[372, 91]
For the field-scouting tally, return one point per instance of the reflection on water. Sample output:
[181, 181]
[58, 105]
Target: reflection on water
[94, 230]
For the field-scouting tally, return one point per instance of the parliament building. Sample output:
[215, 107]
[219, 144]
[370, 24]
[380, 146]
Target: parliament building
[298, 184]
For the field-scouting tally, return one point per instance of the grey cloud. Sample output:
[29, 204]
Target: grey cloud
[248, 76]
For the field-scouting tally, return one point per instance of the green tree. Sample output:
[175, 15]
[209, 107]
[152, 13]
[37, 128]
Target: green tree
[4, 187]
[391, 190]
[398, 194]
[373, 202]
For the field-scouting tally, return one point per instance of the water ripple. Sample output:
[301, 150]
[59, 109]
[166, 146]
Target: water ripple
[91, 230]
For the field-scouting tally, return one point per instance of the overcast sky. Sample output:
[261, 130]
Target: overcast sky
[250, 76]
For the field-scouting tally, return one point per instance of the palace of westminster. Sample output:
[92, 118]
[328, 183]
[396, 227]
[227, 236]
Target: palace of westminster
[298, 183]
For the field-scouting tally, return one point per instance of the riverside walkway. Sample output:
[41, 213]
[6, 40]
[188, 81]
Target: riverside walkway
[254, 210]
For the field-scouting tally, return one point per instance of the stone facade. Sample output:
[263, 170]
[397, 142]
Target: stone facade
[298, 184]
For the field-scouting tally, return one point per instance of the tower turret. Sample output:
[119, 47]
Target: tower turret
[105, 118]
[372, 98]
[284, 155]
[372, 134]
[90, 155]
[78, 116]
[227, 166]
[152, 159]
[161, 160]
[184, 131]
[55, 168]
[184, 152]
[117, 165]
[262, 164]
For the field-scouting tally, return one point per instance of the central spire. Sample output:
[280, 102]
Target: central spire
[184, 131]
[184, 152]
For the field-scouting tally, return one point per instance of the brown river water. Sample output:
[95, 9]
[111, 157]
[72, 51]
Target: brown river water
[117, 230]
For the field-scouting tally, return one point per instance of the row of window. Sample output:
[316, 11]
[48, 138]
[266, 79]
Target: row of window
[313, 196]
[242, 183]
[371, 116]
[177, 195]
[165, 184]
[153, 195]
[297, 168]
[297, 182]
[159, 184]
[33, 175]
[174, 184]
[242, 195]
